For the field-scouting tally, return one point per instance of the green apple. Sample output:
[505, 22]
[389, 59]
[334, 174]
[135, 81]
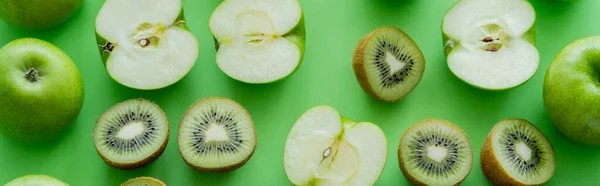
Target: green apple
[325, 148]
[491, 44]
[38, 14]
[572, 91]
[258, 41]
[145, 44]
[36, 180]
[41, 91]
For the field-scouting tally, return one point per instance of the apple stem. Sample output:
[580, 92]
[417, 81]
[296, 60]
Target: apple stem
[32, 75]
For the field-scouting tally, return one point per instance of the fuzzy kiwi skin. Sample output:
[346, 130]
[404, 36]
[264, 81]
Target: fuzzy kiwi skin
[144, 178]
[221, 169]
[491, 167]
[145, 161]
[358, 65]
[409, 177]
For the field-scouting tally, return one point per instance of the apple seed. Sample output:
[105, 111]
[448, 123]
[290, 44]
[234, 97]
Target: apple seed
[327, 152]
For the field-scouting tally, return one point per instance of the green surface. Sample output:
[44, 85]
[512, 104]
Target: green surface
[334, 27]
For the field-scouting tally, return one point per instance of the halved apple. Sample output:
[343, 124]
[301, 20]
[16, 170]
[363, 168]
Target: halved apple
[324, 148]
[258, 41]
[145, 44]
[491, 44]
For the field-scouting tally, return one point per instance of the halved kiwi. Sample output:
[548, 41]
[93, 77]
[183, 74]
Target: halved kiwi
[216, 134]
[388, 64]
[131, 134]
[144, 181]
[435, 152]
[516, 152]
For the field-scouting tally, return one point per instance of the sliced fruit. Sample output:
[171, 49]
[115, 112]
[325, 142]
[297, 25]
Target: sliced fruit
[324, 148]
[435, 152]
[491, 44]
[145, 44]
[131, 134]
[36, 180]
[144, 181]
[388, 64]
[517, 153]
[258, 41]
[216, 134]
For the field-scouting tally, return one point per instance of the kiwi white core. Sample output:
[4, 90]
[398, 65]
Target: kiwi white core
[437, 153]
[216, 133]
[150, 50]
[251, 36]
[324, 149]
[489, 49]
[523, 151]
[131, 130]
[394, 63]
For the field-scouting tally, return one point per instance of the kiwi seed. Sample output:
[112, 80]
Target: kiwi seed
[131, 134]
[144, 181]
[216, 134]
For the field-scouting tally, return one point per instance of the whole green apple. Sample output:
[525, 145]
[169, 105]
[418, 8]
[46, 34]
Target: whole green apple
[572, 91]
[41, 91]
[38, 14]
[36, 180]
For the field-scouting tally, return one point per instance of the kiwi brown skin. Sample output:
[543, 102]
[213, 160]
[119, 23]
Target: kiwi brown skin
[490, 165]
[145, 161]
[220, 169]
[409, 177]
[145, 177]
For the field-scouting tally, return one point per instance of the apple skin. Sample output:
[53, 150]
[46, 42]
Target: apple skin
[37, 111]
[38, 14]
[529, 36]
[572, 91]
[34, 179]
[297, 35]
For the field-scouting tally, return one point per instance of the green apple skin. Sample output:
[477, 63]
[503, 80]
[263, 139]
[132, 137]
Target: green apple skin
[38, 14]
[572, 91]
[297, 35]
[37, 111]
[529, 36]
[36, 180]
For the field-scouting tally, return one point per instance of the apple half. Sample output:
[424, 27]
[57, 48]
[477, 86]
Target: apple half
[324, 148]
[491, 44]
[258, 41]
[145, 44]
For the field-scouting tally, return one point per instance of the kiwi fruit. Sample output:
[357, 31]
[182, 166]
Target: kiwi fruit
[516, 152]
[435, 152]
[131, 134]
[144, 181]
[216, 134]
[388, 64]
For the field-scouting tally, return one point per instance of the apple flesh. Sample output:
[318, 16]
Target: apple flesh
[41, 90]
[572, 91]
[490, 44]
[324, 148]
[258, 41]
[38, 14]
[36, 180]
[145, 44]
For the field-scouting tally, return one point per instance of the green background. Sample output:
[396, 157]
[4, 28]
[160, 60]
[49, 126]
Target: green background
[334, 27]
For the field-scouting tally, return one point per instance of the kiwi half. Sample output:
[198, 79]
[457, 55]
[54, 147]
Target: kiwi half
[435, 152]
[216, 134]
[517, 153]
[388, 64]
[144, 181]
[131, 134]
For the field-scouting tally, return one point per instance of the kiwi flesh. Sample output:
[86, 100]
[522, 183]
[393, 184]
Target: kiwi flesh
[131, 134]
[144, 181]
[388, 64]
[435, 152]
[216, 134]
[516, 152]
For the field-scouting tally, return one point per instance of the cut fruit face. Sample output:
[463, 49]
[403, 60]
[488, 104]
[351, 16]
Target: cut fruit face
[258, 41]
[131, 134]
[36, 180]
[144, 181]
[435, 152]
[323, 148]
[216, 135]
[145, 44]
[490, 44]
[522, 153]
[388, 64]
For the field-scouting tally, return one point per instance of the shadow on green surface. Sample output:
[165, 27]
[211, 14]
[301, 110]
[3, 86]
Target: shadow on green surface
[117, 177]
[205, 178]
